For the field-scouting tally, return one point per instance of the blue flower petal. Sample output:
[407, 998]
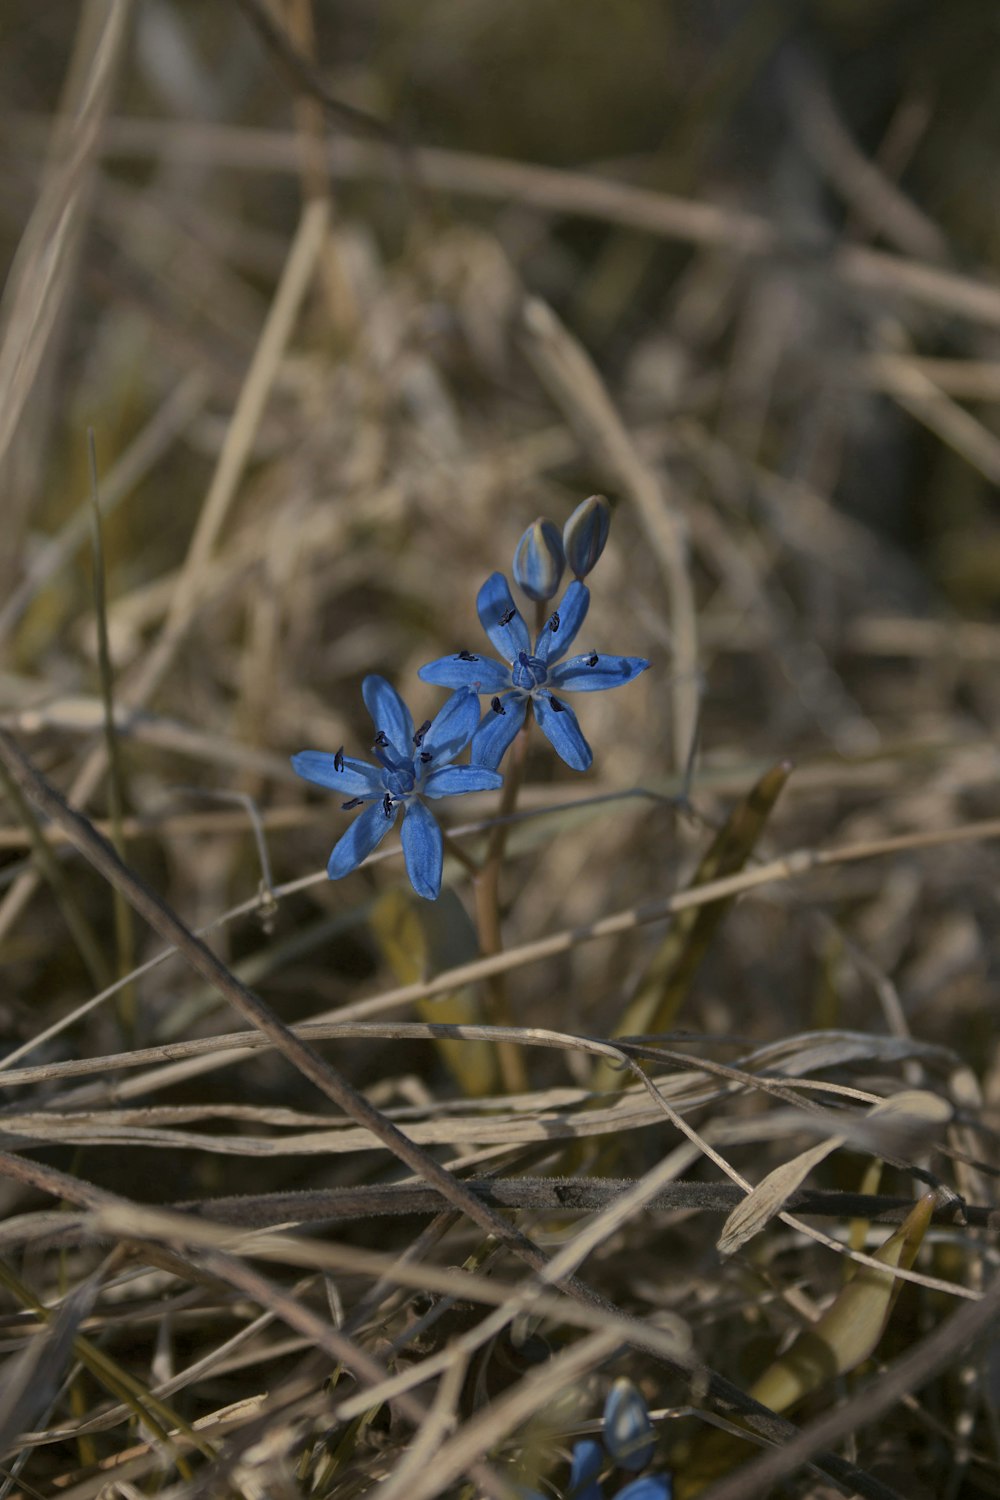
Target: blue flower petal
[364, 835]
[562, 731]
[455, 781]
[571, 612]
[355, 778]
[628, 1432]
[423, 850]
[585, 1467]
[594, 673]
[452, 728]
[480, 673]
[650, 1487]
[495, 603]
[497, 731]
[389, 713]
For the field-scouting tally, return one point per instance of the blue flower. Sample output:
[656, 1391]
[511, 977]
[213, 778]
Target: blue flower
[649, 1487]
[412, 764]
[588, 1459]
[531, 676]
[628, 1432]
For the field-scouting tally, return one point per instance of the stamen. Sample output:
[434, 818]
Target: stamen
[381, 740]
[592, 659]
[354, 802]
[467, 656]
[387, 804]
[497, 706]
[418, 738]
[560, 708]
[338, 759]
[554, 621]
[425, 756]
[508, 615]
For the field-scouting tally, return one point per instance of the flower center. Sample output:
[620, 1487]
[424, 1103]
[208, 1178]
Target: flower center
[401, 781]
[528, 672]
[399, 775]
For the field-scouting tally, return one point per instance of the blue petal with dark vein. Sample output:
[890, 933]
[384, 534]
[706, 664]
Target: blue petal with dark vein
[389, 712]
[563, 732]
[495, 603]
[578, 675]
[423, 850]
[365, 834]
[452, 728]
[572, 611]
[482, 674]
[456, 781]
[497, 731]
[356, 778]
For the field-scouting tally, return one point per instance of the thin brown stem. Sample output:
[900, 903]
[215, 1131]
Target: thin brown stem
[454, 848]
[486, 889]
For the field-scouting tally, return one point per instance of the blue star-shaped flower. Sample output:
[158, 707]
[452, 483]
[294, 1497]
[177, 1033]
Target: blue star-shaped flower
[531, 676]
[412, 764]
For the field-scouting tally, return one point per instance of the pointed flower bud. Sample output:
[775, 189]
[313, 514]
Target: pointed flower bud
[628, 1432]
[539, 561]
[585, 534]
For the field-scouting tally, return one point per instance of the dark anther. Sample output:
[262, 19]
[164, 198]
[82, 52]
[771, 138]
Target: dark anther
[592, 659]
[418, 738]
[508, 615]
[554, 621]
[497, 706]
[354, 802]
[560, 708]
[387, 804]
[467, 656]
[381, 739]
[338, 759]
[425, 756]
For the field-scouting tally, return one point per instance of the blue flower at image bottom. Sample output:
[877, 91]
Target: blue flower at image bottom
[412, 765]
[538, 676]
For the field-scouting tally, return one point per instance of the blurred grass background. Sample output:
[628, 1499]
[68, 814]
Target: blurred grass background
[770, 229]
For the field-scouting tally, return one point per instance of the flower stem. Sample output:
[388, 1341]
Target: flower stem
[454, 848]
[486, 889]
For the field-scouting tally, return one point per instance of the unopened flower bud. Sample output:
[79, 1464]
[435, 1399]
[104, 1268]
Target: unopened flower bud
[539, 561]
[585, 534]
[628, 1432]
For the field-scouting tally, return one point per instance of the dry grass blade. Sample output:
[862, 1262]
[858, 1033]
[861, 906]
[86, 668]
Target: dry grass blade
[419, 940]
[769, 1197]
[850, 1330]
[869, 1404]
[333, 379]
[39, 281]
[302, 1057]
[550, 190]
[846, 1335]
[669, 975]
[569, 374]
[32, 1378]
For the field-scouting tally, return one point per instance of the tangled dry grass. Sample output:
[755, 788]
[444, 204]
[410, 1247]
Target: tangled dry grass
[291, 1208]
